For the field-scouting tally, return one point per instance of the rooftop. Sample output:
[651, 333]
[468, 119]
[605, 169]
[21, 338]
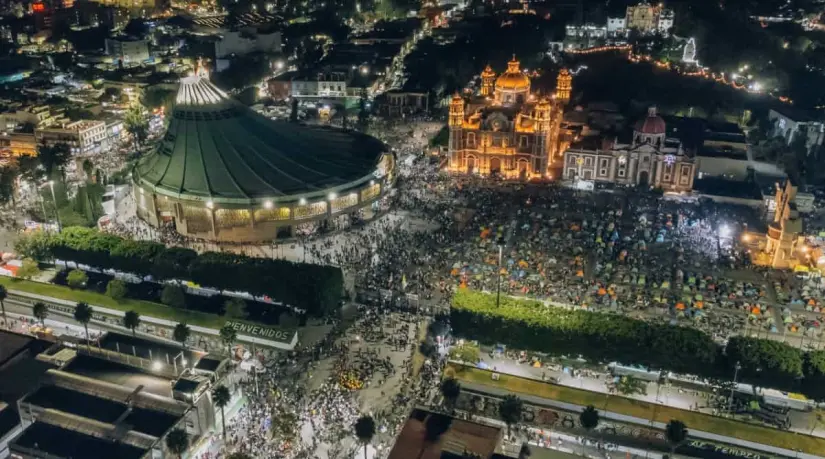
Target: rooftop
[65, 443]
[9, 419]
[150, 422]
[218, 149]
[146, 348]
[119, 374]
[461, 436]
[729, 188]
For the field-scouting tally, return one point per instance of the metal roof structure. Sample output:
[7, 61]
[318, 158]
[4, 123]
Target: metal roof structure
[216, 149]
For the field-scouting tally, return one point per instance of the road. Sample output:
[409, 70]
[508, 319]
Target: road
[669, 395]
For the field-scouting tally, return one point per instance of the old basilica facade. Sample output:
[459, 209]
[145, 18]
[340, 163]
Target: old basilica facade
[506, 130]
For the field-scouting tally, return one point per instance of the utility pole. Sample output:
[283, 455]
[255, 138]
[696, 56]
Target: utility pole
[733, 387]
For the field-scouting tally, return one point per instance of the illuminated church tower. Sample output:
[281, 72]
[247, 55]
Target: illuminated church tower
[488, 79]
[564, 84]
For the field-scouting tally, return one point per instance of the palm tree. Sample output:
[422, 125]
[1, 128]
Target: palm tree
[365, 430]
[589, 418]
[228, 335]
[510, 411]
[450, 390]
[476, 405]
[40, 311]
[676, 433]
[131, 320]
[435, 426]
[181, 333]
[3, 294]
[177, 440]
[221, 397]
[83, 315]
[524, 452]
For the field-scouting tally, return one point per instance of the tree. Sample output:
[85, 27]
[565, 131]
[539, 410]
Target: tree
[116, 289]
[136, 124]
[365, 430]
[466, 353]
[156, 98]
[177, 441]
[131, 320]
[435, 426]
[3, 294]
[221, 397]
[88, 169]
[524, 452]
[53, 158]
[228, 336]
[40, 311]
[181, 333]
[8, 179]
[476, 405]
[76, 278]
[628, 385]
[28, 269]
[293, 112]
[173, 296]
[235, 308]
[589, 418]
[363, 113]
[83, 315]
[510, 409]
[450, 390]
[676, 433]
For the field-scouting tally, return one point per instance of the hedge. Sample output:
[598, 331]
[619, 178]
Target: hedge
[529, 324]
[314, 288]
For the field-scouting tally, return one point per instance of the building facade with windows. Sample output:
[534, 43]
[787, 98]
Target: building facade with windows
[650, 159]
[81, 136]
[506, 130]
[224, 172]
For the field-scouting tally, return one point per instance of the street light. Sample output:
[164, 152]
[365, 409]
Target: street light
[735, 374]
[500, 244]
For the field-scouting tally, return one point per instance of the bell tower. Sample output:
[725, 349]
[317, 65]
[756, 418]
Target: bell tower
[455, 123]
[564, 84]
[542, 154]
[488, 79]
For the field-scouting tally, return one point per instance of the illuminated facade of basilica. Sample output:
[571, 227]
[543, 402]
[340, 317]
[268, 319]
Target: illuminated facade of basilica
[505, 130]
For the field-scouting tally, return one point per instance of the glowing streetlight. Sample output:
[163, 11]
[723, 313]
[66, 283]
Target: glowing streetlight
[267, 204]
[210, 204]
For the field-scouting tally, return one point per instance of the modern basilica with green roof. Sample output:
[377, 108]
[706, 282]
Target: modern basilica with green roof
[225, 173]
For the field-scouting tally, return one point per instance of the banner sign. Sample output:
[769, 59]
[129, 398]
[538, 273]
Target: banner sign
[261, 331]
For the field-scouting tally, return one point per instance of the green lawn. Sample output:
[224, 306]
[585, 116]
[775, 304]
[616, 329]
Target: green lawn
[643, 410]
[144, 308]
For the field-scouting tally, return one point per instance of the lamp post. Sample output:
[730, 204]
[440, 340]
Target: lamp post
[735, 374]
[500, 244]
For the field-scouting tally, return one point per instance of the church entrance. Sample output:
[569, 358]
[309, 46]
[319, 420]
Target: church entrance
[522, 170]
[644, 179]
[471, 164]
[495, 166]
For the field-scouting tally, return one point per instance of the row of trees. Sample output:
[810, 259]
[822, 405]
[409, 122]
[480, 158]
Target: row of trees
[529, 324]
[315, 289]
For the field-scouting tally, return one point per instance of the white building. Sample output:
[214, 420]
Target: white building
[129, 51]
[81, 136]
[789, 123]
[616, 26]
[650, 159]
[247, 41]
[665, 21]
